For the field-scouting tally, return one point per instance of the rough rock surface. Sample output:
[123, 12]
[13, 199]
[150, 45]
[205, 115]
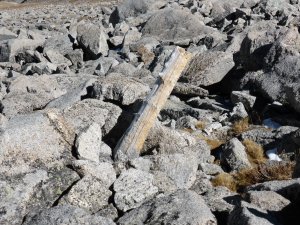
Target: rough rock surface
[181, 207]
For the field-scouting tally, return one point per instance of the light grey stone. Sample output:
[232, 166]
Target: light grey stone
[267, 200]
[67, 214]
[182, 207]
[246, 214]
[112, 88]
[133, 187]
[89, 193]
[103, 171]
[92, 39]
[234, 154]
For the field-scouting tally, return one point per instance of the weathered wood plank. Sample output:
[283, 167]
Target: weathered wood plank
[133, 140]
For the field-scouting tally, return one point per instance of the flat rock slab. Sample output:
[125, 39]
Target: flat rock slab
[180, 208]
[67, 214]
[120, 88]
[133, 187]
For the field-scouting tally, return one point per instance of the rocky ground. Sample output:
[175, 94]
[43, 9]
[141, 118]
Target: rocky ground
[223, 150]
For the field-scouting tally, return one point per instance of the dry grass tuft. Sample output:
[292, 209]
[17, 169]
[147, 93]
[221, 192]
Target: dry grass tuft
[200, 125]
[226, 180]
[240, 126]
[259, 174]
[212, 143]
[255, 152]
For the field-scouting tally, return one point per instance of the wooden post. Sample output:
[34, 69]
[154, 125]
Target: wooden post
[132, 142]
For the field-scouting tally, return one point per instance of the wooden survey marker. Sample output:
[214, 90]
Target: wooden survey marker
[131, 143]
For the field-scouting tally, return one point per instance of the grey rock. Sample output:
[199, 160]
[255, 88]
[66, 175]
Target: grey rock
[24, 194]
[210, 169]
[59, 43]
[189, 90]
[133, 187]
[103, 171]
[175, 25]
[88, 143]
[209, 68]
[112, 88]
[234, 154]
[260, 135]
[238, 112]
[180, 168]
[256, 44]
[141, 163]
[246, 214]
[124, 68]
[6, 34]
[89, 193]
[290, 189]
[92, 39]
[39, 140]
[186, 122]
[109, 212]
[76, 57]
[43, 68]
[280, 82]
[202, 183]
[56, 58]
[182, 207]
[10, 48]
[83, 114]
[67, 214]
[267, 200]
[163, 182]
[128, 8]
[220, 199]
[73, 95]
[243, 97]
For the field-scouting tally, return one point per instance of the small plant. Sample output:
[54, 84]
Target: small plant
[262, 173]
[200, 125]
[255, 152]
[226, 180]
[240, 126]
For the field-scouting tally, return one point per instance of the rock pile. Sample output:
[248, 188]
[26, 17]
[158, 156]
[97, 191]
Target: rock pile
[72, 77]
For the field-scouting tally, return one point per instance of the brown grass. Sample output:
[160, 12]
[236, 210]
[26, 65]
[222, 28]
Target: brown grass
[226, 180]
[212, 143]
[262, 173]
[240, 126]
[255, 152]
[200, 125]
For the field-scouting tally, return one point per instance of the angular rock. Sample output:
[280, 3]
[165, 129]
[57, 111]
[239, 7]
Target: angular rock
[182, 207]
[247, 214]
[10, 48]
[267, 200]
[180, 168]
[189, 90]
[234, 154]
[290, 189]
[92, 39]
[176, 26]
[243, 97]
[238, 112]
[29, 93]
[35, 141]
[67, 214]
[6, 34]
[82, 114]
[112, 88]
[133, 187]
[88, 143]
[208, 68]
[56, 58]
[103, 171]
[89, 193]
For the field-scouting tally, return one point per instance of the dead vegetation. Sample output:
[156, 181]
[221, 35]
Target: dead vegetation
[254, 152]
[262, 173]
[240, 126]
